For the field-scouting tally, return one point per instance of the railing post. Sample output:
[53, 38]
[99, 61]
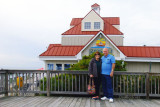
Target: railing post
[147, 86]
[48, 83]
[6, 83]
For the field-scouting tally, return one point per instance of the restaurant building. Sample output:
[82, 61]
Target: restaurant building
[93, 33]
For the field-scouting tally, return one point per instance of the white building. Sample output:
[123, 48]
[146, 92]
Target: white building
[93, 32]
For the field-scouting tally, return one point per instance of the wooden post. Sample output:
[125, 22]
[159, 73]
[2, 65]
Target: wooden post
[48, 83]
[147, 86]
[6, 83]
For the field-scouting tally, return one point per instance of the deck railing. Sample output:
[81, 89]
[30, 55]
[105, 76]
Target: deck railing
[75, 82]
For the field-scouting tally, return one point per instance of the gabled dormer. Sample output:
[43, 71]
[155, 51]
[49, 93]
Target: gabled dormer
[92, 21]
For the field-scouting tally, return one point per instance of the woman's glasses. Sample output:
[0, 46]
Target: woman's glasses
[97, 54]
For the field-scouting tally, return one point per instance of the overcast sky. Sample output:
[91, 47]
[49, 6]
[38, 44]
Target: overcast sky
[27, 27]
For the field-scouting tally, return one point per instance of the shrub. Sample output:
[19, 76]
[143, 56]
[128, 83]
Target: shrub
[84, 64]
[63, 82]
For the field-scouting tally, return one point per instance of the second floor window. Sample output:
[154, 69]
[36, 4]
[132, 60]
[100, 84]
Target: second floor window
[87, 25]
[96, 25]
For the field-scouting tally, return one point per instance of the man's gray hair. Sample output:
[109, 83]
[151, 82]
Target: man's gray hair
[105, 48]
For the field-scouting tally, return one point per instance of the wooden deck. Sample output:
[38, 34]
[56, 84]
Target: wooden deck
[42, 101]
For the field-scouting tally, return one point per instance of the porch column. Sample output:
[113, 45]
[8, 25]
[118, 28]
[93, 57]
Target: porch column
[62, 67]
[54, 66]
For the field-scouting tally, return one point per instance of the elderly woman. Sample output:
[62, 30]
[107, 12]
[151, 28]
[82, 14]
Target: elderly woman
[95, 72]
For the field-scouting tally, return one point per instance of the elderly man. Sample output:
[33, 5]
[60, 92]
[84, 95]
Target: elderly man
[108, 65]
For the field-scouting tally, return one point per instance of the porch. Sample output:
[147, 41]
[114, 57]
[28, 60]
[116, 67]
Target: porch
[63, 86]
[61, 101]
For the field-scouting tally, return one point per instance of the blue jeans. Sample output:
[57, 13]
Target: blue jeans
[107, 86]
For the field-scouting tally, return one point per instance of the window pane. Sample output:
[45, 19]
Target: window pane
[66, 66]
[87, 25]
[58, 66]
[50, 66]
[96, 25]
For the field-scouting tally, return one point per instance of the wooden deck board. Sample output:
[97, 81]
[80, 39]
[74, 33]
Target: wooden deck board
[88, 102]
[135, 103]
[78, 102]
[55, 101]
[73, 102]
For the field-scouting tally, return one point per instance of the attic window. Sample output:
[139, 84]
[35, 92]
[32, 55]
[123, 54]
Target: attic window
[87, 25]
[96, 25]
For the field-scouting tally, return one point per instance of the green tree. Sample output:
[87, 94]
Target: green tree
[84, 64]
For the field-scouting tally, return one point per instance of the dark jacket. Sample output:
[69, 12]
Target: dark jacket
[93, 67]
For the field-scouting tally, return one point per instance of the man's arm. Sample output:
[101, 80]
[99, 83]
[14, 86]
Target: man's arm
[112, 72]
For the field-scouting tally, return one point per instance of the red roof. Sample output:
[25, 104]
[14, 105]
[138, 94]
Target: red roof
[59, 50]
[111, 30]
[76, 30]
[129, 51]
[108, 30]
[141, 51]
[111, 20]
[95, 5]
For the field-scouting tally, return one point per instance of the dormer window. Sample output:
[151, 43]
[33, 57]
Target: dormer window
[96, 25]
[87, 25]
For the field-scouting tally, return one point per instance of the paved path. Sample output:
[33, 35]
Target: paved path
[58, 101]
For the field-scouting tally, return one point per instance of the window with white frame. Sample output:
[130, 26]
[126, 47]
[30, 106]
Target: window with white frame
[96, 25]
[50, 66]
[87, 25]
[66, 66]
[58, 66]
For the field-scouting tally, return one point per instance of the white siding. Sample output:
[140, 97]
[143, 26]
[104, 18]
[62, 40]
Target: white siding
[92, 17]
[155, 67]
[143, 67]
[77, 40]
[118, 40]
[137, 67]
